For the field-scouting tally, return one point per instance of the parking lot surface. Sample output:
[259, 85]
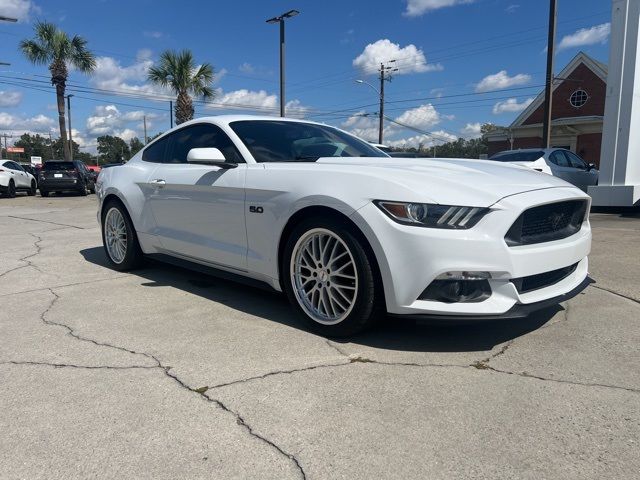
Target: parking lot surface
[164, 373]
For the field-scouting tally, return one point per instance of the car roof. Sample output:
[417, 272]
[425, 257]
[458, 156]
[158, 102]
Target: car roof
[521, 150]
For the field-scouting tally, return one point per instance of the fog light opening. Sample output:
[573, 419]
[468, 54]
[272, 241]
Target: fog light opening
[457, 291]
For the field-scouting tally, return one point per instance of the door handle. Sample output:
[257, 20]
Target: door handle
[158, 182]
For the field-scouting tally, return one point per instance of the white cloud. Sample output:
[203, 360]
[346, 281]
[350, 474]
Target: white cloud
[10, 98]
[422, 117]
[416, 8]
[471, 130]
[108, 120]
[243, 99]
[247, 68]
[425, 141]
[586, 36]
[501, 80]
[38, 124]
[365, 126]
[19, 9]
[295, 109]
[153, 34]
[409, 59]
[111, 75]
[511, 105]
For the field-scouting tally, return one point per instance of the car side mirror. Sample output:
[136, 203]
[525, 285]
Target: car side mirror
[209, 156]
[591, 166]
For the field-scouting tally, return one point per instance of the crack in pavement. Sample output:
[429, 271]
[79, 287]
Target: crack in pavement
[41, 289]
[49, 222]
[25, 259]
[555, 380]
[613, 292]
[167, 371]
[71, 365]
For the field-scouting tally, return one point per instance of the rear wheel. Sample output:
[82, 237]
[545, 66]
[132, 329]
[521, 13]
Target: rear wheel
[44, 193]
[329, 278]
[83, 190]
[119, 238]
[32, 191]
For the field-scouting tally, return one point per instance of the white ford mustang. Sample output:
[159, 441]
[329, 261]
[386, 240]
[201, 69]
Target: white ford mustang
[347, 232]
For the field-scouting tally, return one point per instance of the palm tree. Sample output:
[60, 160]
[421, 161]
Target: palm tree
[52, 46]
[178, 71]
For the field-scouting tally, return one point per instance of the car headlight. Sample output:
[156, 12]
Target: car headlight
[432, 215]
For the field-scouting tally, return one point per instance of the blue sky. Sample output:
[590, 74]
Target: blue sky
[442, 48]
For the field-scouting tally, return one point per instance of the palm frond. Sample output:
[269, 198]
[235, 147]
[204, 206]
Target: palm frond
[35, 52]
[80, 57]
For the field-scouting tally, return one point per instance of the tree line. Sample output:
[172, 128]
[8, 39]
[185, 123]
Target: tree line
[111, 149]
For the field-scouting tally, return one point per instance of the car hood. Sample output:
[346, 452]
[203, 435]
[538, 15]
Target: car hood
[449, 181]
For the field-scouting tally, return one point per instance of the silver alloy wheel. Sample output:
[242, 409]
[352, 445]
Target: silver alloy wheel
[324, 276]
[115, 233]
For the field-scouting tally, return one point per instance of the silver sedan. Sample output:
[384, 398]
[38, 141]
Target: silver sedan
[558, 162]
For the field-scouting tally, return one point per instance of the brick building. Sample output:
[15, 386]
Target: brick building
[577, 113]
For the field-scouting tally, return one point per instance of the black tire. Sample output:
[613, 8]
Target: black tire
[11, 189]
[44, 193]
[133, 257]
[369, 299]
[83, 190]
[32, 191]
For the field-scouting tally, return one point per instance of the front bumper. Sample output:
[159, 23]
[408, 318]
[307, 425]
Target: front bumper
[410, 258]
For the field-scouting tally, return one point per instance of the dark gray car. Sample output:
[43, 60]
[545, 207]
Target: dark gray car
[558, 162]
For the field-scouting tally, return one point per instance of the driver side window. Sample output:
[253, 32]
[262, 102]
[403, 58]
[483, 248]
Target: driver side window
[559, 159]
[576, 161]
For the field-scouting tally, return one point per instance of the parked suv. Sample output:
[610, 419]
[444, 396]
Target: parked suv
[58, 176]
[14, 178]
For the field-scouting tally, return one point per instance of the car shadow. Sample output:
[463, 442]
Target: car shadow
[391, 333]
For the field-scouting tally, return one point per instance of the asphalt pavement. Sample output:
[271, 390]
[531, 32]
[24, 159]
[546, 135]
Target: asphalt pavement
[164, 374]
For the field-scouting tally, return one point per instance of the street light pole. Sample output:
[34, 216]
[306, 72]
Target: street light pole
[280, 19]
[70, 134]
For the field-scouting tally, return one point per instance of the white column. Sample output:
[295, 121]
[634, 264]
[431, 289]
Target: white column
[619, 183]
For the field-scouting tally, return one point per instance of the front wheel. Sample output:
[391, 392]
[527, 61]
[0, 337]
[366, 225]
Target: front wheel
[44, 193]
[329, 278]
[119, 238]
[11, 189]
[32, 191]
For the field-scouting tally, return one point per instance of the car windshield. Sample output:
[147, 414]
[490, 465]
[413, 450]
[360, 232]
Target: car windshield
[280, 141]
[59, 166]
[530, 156]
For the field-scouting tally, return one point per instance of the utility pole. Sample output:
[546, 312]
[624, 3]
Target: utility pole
[171, 112]
[144, 123]
[70, 135]
[280, 19]
[548, 91]
[381, 109]
[385, 76]
[51, 146]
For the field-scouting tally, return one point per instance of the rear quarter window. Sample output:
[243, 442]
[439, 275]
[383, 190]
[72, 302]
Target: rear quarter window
[156, 152]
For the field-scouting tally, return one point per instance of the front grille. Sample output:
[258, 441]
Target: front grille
[541, 280]
[546, 223]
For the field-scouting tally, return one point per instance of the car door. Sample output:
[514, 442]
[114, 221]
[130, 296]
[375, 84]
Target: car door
[561, 167]
[21, 178]
[199, 209]
[585, 176]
